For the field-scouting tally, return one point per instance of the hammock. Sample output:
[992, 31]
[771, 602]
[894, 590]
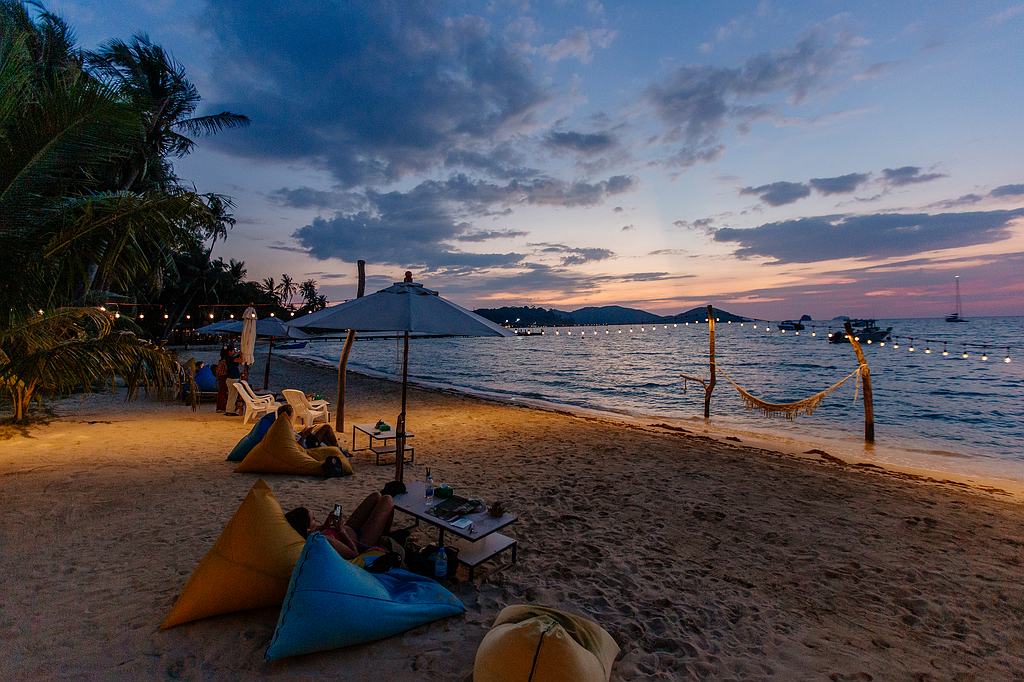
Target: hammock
[807, 406]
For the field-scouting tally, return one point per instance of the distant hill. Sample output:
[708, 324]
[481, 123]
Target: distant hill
[529, 316]
[613, 314]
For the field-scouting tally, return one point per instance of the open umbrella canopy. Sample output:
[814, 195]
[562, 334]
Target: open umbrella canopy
[402, 307]
[268, 327]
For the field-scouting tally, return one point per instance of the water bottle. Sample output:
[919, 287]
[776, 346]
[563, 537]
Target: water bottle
[441, 563]
[430, 484]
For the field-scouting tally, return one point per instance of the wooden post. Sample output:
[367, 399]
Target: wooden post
[361, 265]
[266, 370]
[711, 360]
[400, 436]
[865, 376]
[339, 415]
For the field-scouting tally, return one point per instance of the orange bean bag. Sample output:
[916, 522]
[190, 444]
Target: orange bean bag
[541, 644]
[249, 566]
[279, 453]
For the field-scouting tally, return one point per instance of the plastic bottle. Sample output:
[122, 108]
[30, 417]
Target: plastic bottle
[430, 484]
[441, 563]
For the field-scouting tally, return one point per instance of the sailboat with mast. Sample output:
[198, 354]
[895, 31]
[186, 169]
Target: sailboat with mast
[957, 315]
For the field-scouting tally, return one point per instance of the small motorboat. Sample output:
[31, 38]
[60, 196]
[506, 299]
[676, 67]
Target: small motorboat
[294, 345]
[791, 326]
[865, 331]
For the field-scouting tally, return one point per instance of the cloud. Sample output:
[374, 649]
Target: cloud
[965, 200]
[668, 252]
[307, 197]
[822, 238]
[876, 70]
[697, 102]
[779, 193]
[583, 143]
[500, 162]
[842, 184]
[370, 91]
[907, 175]
[1008, 191]
[628, 228]
[580, 44]
[704, 225]
[485, 235]
[572, 255]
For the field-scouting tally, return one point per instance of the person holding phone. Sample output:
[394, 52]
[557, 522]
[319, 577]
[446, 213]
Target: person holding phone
[363, 529]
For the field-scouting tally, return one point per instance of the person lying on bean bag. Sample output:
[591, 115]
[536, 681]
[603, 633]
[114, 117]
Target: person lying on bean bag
[364, 528]
[280, 453]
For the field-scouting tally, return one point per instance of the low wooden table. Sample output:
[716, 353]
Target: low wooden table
[373, 435]
[476, 544]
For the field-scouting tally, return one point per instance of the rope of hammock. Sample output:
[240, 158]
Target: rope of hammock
[792, 410]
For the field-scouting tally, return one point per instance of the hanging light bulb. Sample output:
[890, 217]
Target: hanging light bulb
[927, 350]
[293, 315]
[984, 354]
[642, 329]
[882, 344]
[570, 333]
[232, 316]
[558, 333]
[944, 351]
[856, 338]
[965, 354]
[869, 342]
[142, 316]
[674, 326]
[188, 317]
[271, 314]
[1007, 358]
[631, 330]
[783, 331]
[103, 308]
[620, 331]
[211, 316]
[814, 333]
[896, 346]
[718, 319]
[166, 316]
[117, 315]
[797, 333]
[40, 311]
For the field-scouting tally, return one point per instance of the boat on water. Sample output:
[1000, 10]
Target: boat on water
[791, 326]
[866, 331]
[296, 345]
[957, 315]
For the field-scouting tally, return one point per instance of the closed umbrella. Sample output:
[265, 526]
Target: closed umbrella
[248, 349]
[406, 308]
[268, 328]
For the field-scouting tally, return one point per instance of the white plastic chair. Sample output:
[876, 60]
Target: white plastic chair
[307, 412]
[254, 409]
[256, 398]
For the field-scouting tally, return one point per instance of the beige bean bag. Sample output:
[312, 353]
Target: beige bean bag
[541, 644]
[279, 453]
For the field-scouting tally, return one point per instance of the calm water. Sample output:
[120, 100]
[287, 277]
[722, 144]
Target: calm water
[952, 413]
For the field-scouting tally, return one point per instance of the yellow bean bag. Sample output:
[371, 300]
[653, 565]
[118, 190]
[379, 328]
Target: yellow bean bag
[279, 453]
[249, 566]
[540, 644]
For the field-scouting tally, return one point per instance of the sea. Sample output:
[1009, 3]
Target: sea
[934, 408]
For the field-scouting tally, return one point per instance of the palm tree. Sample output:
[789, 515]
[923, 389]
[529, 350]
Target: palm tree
[156, 86]
[270, 287]
[286, 289]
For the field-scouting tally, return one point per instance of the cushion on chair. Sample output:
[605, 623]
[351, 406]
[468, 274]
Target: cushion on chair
[332, 603]
[206, 381]
[541, 644]
[250, 439]
[279, 453]
[247, 568]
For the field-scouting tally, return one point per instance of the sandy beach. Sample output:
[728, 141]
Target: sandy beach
[704, 559]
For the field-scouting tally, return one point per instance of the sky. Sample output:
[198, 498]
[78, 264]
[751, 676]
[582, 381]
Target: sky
[774, 158]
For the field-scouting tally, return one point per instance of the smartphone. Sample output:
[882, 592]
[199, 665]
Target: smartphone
[337, 511]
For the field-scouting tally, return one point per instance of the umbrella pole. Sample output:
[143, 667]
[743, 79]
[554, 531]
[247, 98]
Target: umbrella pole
[400, 440]
[266, 370]
[339, 416]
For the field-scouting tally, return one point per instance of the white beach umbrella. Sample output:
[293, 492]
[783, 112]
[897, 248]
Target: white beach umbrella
[248, 349]
[406, 308]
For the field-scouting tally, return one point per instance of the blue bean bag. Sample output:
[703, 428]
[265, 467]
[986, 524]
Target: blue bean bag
[205, 380]
[251, 439]
[332, 603]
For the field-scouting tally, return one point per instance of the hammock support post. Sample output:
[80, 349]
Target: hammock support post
[710, 386]
[865, 375]
[339, 415]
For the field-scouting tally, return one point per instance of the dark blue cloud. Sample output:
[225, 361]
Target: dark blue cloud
[369, 89]
[841, 184]
[697, 102]
[907, 175]
[582, 143]
[820, 238]
[779, 193]
[1008, 191]
[572, 255]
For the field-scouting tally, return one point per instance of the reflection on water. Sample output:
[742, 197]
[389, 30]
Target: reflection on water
[945, 405]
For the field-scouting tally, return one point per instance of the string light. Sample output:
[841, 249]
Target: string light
[117, 315]
[40, 311]
[814, 333]
[272, 314]
[188, 317]
[166, 316]
[211, 316]
[142, 316]
[984, 354]
[927, 350]
[293, 315]
[965, 354]
[1007, 358]
[232, 316]
[103, 308]
[944, 351]
[896, 346]
[869, 342]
